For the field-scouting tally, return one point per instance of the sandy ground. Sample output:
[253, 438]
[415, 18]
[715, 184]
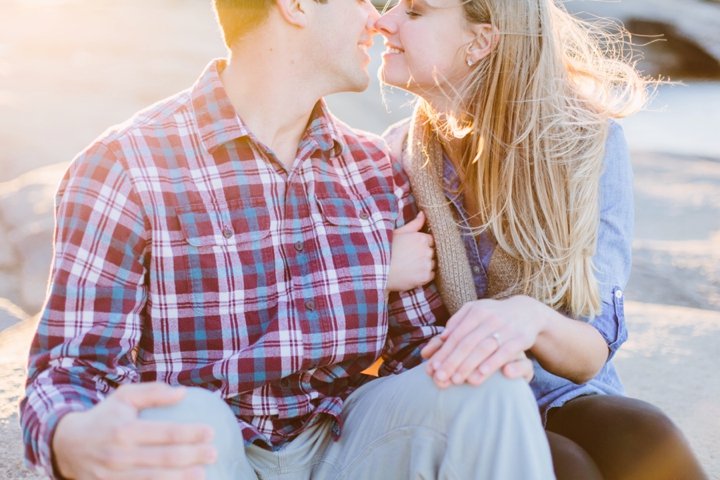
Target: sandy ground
[71, 68]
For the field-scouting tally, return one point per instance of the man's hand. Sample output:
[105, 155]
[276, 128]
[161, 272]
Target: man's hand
[412, 262]
[109, 441]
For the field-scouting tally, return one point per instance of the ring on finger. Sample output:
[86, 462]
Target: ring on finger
[496, 336]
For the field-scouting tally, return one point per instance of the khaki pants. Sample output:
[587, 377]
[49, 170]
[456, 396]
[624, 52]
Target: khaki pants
[400, 427]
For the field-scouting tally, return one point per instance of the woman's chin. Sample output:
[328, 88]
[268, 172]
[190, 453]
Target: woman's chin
[386, 76]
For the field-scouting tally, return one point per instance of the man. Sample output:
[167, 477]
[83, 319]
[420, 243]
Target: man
[236, 237]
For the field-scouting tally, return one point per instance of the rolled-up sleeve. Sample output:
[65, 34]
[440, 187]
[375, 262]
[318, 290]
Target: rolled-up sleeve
[613, 257]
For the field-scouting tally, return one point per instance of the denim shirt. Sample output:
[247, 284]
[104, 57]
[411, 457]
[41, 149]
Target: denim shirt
[612, 262]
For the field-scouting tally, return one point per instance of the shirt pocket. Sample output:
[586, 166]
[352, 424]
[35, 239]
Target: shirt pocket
[229, 260]
[240, 221]
[354, 213]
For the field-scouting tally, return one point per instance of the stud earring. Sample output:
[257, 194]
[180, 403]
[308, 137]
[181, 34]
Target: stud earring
[470, 63]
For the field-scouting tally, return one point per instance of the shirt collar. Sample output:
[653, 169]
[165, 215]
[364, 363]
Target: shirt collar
[322, 129]
[451, 181]
[219, 123]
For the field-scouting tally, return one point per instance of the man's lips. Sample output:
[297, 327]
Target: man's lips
[366, 44]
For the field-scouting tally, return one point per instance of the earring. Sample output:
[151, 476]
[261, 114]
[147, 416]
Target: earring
[470, 63]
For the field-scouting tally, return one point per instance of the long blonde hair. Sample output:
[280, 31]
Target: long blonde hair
[537, 109]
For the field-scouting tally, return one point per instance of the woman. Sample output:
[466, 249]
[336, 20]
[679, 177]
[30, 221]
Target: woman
[526, 184]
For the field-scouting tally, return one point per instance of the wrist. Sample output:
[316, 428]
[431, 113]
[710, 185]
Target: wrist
[60, 446]
[541, 316]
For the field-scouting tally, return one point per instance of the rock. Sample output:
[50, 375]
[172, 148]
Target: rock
[663, 51]
[30, 197]
[8, 255]
[27, 222]
[10, 286]
[14, 343]
[11, 452]
[696, 20]
[10, 314]
[670, 39]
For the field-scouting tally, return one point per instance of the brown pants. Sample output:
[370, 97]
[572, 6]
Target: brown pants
[606, 437]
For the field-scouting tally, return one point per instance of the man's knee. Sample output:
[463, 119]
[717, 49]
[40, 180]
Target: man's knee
[497, 390]
[497, 394]
[201, 406]
[197, 406]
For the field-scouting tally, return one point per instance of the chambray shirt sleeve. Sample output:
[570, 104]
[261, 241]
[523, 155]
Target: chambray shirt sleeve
[414, 316]
[614, 249]
[91, 321]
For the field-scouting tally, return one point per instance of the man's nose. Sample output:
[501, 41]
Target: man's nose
[372, 18]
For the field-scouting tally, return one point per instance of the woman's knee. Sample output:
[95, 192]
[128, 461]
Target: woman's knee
[635, 418]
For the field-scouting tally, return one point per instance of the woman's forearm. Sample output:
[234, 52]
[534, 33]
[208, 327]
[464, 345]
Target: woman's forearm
[568, 348]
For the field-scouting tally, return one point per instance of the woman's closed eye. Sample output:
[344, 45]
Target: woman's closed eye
[412, 10]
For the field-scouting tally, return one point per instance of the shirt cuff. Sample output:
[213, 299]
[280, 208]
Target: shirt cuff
[611, 323]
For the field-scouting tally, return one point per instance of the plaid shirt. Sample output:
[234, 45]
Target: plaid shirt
[186, 253]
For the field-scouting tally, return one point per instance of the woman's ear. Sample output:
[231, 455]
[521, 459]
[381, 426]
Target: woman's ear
[486, 39]
[293, 11]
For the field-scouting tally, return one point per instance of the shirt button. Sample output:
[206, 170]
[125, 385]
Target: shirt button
[476, 270]
[618, 293]
[299, 246]
[364, 216]
[310, 305]
[285, 383]
[227, 233]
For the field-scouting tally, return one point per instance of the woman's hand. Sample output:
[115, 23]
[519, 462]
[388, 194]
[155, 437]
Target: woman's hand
[412, 260]
[485, 336]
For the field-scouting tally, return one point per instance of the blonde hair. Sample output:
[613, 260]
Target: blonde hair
[537, 110]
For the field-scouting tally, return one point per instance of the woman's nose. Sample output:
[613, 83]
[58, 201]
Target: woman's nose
[387, 24]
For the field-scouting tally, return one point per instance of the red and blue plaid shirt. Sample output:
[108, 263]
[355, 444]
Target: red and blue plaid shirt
[186, 253]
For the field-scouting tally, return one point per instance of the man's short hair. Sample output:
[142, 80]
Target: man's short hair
[238, 17]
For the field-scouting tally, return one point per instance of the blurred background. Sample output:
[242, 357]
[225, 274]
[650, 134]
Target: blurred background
[71, 68]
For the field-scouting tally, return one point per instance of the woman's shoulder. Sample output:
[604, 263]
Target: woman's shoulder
[615, 145]
[395, 136]
[618, 166]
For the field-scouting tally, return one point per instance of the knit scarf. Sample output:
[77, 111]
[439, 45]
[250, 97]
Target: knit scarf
[423, 162]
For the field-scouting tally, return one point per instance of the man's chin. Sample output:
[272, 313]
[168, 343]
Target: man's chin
[360, 83]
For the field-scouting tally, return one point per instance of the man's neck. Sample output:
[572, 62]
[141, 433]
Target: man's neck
[266, 83]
